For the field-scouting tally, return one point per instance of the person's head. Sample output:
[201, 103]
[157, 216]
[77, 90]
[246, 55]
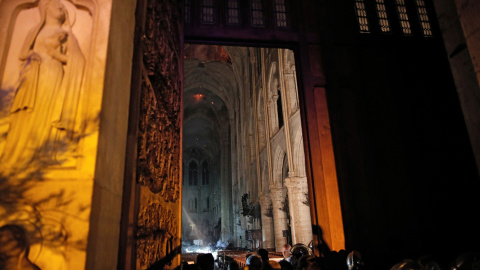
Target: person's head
[205, 261]
[304, 262]
[254, 262]
[299, 250]
[53, 9]
[263, 253]
[233, 265]
[286, 250]
[284, 265]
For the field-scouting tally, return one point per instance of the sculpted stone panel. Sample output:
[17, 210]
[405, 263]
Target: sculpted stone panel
[156, 234]
[48, 51]
[159, 146]
[42, 77]
[159, 138]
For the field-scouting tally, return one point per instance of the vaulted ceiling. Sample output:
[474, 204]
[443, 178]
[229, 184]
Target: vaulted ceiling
[210, 89]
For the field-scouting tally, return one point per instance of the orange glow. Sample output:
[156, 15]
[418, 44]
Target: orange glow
[198, 97]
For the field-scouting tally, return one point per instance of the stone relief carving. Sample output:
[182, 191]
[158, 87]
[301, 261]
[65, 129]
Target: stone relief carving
[156, 234]
[159, 137]
[46, 94]
[159, 131]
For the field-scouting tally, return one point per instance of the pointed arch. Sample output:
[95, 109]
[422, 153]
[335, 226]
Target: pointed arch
[273, 97]
[299, 153]
[278, 158]
[290, 81]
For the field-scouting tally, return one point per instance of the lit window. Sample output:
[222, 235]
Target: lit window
[207, 9]
[256, 12]
[188, 11]
[382, 16]
[361, 16]
[423, 18]
[280, 12]
[233, 12]
[403, 16]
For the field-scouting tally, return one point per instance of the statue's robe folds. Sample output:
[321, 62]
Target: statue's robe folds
[45, 103]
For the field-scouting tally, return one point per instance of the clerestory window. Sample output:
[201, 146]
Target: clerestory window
[403, 17]
[423, 18]
[382, 16]
[361, 14]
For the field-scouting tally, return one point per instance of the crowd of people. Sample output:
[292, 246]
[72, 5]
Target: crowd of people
[303, 259]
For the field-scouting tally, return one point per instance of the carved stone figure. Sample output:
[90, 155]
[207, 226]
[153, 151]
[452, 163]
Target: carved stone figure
[46, 99]
[14, 249]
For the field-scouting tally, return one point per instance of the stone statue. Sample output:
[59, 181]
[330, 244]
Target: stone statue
[47, 94]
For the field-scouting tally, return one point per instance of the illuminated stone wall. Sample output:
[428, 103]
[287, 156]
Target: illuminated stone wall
[52, 63]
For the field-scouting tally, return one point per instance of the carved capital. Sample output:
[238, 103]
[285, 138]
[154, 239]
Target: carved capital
[276, 192]
[265, 200]
[296, 184]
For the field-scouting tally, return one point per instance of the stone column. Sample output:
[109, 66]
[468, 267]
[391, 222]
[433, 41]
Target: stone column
[267, 221]
[279, 216]
[226, 190]
[300, 220]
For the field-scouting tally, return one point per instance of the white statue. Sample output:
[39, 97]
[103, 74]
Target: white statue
[47, 95]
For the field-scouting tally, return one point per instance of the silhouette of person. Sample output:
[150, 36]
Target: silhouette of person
[263, 253]
[14, 249]
[205, 261]
[253, 262]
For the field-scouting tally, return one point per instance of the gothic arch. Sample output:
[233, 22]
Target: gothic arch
[272, 96]
[290, 80]
[278, 158]
[298, 154]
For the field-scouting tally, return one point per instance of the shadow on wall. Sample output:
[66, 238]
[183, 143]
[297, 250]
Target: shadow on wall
[33, 214]
[167, 260]
[14, 249]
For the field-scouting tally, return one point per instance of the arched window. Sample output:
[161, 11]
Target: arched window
[192, 174]
[205, 173]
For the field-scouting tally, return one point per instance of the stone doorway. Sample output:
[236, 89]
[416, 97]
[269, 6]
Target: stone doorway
[241, 107]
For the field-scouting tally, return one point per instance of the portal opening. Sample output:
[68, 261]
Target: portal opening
[245, 185]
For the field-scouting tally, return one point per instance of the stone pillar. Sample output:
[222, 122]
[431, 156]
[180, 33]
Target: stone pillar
[226, 190]
[279, 216]
[464, 60]
[300, 220]
[267, 221]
